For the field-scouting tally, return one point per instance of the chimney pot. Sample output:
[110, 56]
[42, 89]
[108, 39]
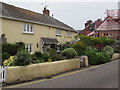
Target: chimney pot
[46, 11]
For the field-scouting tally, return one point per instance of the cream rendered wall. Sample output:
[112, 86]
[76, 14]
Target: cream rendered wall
[13, 31]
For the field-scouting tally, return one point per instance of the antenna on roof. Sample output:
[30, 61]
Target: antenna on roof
[44, 4]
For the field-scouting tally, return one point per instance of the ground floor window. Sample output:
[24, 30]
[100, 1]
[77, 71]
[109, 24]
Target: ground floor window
[29, 47]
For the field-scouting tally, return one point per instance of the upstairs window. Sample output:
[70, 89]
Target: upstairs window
[27, 28]
[58, 32]
[69, 34]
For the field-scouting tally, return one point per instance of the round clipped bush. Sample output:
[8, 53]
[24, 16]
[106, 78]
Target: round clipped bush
[69, 53]
[109, 50]
[22, 58]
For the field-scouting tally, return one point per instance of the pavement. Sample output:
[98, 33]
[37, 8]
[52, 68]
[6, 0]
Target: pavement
[101, 76]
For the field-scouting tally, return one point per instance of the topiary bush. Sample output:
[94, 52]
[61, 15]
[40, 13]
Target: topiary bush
[5, 55]
[109, 50]
[69, 53]
[22, 58]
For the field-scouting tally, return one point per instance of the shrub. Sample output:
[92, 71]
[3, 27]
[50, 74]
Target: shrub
[108, 41]
[53, 55]
[36, 61]
[44, 57]
[56, 57]
[116, 47]
[99, 46]
[69, 53]
[49, 60]
[92, 41]
[109, 50]
[95, 57]
[9, 61]
[12, 48]
[64, 46]
[38, 54]
[22, 58]
[33, 56]
[5, 55]
[79, 47]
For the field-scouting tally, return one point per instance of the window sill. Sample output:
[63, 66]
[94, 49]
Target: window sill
[28, 33]
[59, 35]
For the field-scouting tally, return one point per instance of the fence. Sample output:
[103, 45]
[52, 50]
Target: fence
[2, 74]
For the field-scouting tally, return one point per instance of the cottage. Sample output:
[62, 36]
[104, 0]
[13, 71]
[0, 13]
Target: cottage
[38, 31]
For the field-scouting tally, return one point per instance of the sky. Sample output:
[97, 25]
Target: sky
[72, 12]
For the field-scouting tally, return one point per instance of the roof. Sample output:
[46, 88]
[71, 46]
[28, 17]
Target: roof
[91, 33]
[49, 40]
[16, 13]
[109, 24]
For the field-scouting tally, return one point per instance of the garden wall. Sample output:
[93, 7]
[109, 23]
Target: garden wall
[24, 73]
[116, 56]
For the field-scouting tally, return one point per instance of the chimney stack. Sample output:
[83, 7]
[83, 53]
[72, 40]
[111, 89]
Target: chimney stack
[46, 12]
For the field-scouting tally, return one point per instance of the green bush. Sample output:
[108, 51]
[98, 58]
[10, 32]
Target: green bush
[22, 58]
[109, 50]
[12, 48]
[56, 57]
[44, 58]
[53, 55]
[95, 57]
[5, 55]
[92, 41]
[9, 62]
[69, 53]
[64, 46]
[80, 47]
[38, 54]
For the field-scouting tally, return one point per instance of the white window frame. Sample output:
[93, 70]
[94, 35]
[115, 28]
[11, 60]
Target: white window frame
[58, 32]
[29, 48]
[28, 28]
[69, 34]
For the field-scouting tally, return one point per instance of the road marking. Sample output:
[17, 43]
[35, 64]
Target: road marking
[32, 82]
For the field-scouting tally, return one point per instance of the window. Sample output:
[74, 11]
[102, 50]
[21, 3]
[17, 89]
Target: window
[58, 32]
[27, 28]
[29, 47]
[69, 34]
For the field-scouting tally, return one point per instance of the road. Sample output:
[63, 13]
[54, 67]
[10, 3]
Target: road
[103, 76]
